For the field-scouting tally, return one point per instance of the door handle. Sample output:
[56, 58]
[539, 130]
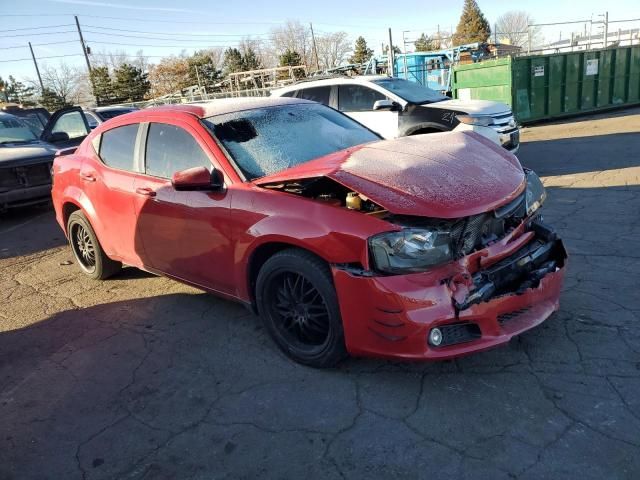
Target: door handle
[147, 192]
[88, 177]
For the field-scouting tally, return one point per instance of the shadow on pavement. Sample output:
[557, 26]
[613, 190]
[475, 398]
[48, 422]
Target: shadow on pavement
[29, 230]
[581, 155]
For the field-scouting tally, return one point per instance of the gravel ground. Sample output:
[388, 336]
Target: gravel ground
[142, 377]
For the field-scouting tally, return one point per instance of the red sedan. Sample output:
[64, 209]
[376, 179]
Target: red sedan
[425, 247]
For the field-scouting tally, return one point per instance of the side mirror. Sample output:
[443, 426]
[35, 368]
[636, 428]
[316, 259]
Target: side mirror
[57, 137]
[386, 105]
[197, 178]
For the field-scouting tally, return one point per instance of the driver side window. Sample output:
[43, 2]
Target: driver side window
[356, 98]
[171, 149]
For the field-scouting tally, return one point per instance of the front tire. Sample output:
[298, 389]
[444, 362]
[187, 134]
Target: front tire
[87, 250]
[299, 307]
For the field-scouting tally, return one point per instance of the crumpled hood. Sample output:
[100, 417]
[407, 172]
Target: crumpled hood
[20, 154]
[439, 175]
[474, 107]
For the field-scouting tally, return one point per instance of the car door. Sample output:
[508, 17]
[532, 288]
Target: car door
[185, 234]
[66, 128]
[357, 102]
[107, 174]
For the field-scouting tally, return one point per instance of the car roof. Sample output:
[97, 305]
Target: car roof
[333, 80]
[221, 106]
[112, 108]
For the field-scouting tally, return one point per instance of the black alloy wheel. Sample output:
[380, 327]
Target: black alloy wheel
[83, 248]
[87, 249]
[299, 306]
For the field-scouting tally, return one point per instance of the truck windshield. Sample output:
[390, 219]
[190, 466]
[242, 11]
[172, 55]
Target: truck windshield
[268, 140]
[411, 91]
[14, 130]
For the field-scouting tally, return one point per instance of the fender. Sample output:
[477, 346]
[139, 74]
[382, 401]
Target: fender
[345, 244]
[73, 194]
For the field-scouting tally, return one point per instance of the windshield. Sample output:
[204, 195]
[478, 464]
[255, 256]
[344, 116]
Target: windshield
[13, 130]
[410, 91]
[268, 140]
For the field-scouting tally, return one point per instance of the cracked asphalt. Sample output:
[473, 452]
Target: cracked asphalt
[140, 377]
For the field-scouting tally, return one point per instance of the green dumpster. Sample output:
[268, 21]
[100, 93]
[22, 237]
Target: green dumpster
[542, 87]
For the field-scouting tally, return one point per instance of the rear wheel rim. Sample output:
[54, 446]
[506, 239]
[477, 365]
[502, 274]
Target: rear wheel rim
[83, 247]
[299, 312]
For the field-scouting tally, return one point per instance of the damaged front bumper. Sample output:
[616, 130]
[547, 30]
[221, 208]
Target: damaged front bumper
[477, 303]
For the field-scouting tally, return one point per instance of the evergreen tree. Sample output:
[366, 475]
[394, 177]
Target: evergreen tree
[130, 84]
[290, 58]
[18, 92]
[201, 67]
[233, 61]
[425, 44]
[473, 26]
[250, 60]
[52, 101]
[396, 49]
[103, 88]
[361, 52]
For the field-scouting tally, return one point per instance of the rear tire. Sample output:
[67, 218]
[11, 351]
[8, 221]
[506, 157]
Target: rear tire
[87, 250]
[299, 307]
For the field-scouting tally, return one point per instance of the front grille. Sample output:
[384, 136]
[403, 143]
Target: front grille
[478, 230]
[27, 176]
[507, 317]
[459, 333]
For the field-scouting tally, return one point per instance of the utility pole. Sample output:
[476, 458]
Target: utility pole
[315, 48]
[528, 39]
[404, 55]
[84, 47]
[200, 87]
[37, 69]
[391, 57]
[495, 34]
[606, 28]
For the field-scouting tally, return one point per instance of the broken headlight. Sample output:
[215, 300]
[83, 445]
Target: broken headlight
[536, 194]
[410, 250]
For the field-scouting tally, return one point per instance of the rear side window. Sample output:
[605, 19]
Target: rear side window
[117, 147]
[356, 98]
[171, 149]
[316, 94]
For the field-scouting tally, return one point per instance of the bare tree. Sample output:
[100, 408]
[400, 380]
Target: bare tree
[292, 36]
[512, 27]
[332, 49]
[71, 84]
[250, 46]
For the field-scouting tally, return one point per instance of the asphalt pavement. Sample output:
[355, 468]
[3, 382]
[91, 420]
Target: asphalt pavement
[140, 377]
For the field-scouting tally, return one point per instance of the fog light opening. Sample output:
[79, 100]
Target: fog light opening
[435, 337]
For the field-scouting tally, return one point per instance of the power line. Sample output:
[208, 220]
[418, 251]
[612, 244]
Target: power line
[42, 33]
[183, 34]
[41, 58]
[144, 37]
[37, 44]
[37, 28]
[160, 46]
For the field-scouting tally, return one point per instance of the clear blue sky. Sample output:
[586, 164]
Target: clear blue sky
[233, 19]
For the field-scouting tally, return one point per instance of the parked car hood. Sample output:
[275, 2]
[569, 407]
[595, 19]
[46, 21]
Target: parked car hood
[439, 175]
[474, 107]
[18, 154]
